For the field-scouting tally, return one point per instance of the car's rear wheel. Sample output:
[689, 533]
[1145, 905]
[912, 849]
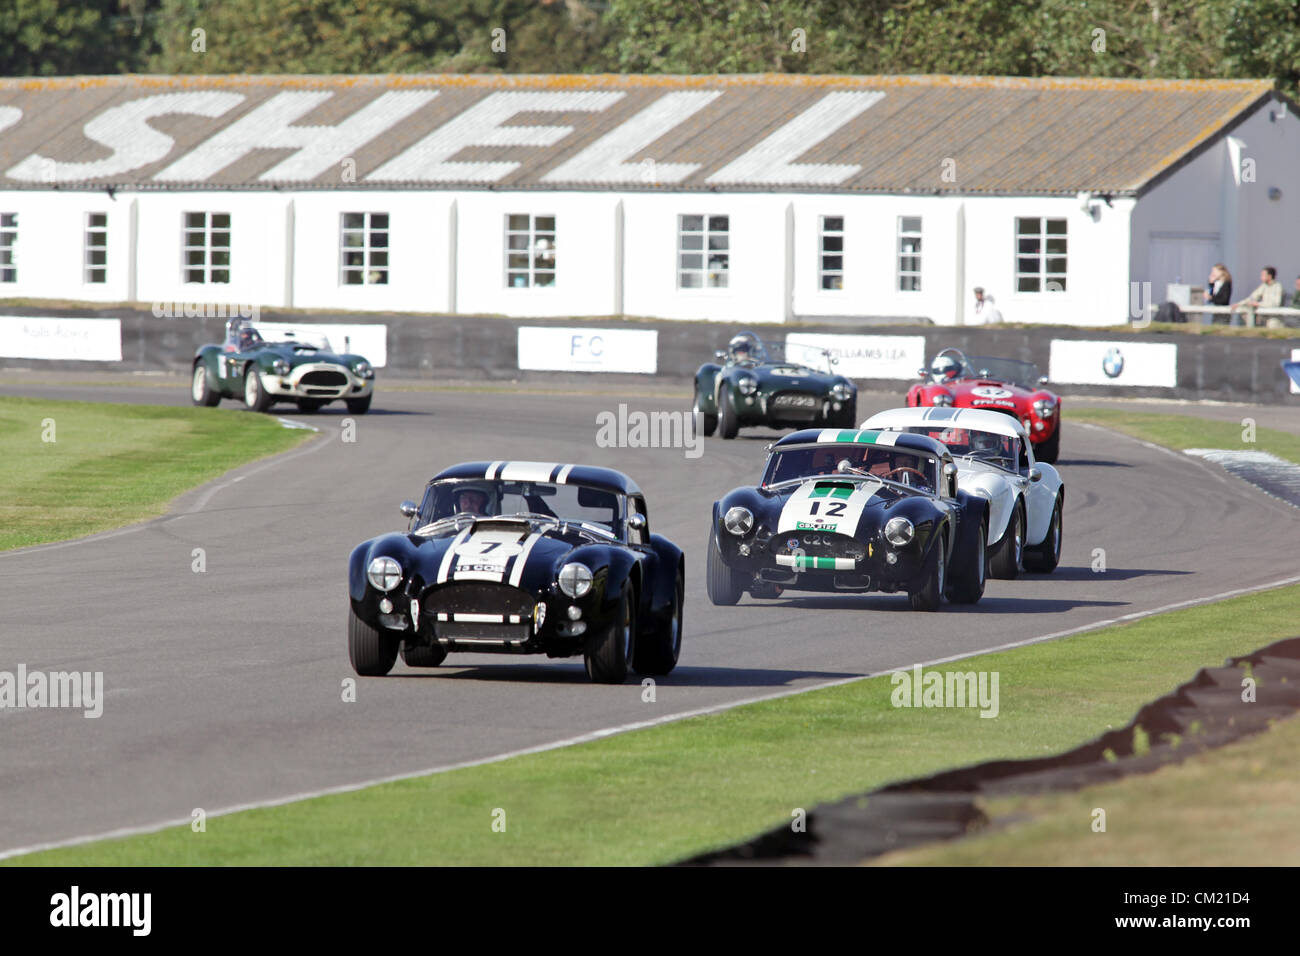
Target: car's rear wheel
[308, 405]
[373, 652]
[1049, 450]
[255, 395]
[609, 653]
[422, 655]
[928, 596]
[657, 654]
[201, 391]
[359, 406]
[968, 581]
[728, 420]
[708, 424]
[1045, 557]
[1009, 552]
[723, 584]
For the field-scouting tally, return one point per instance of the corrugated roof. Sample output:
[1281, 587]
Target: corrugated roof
[884, 134]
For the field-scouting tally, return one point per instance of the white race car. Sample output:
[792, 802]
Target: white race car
[995, 460]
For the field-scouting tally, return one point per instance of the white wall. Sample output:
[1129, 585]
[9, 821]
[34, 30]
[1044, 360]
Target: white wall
[49, 251]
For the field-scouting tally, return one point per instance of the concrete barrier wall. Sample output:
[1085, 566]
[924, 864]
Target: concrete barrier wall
[467, 347]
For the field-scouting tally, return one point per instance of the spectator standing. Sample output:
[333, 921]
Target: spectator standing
[1267, 295]
[986, 313]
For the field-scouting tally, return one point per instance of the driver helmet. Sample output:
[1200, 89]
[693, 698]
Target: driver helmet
[945, 368]
[471, 500]
[984, 441]
[743, 347]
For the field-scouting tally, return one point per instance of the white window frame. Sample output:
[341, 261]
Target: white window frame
[8, 247]
[707, 233]
[374, 247]
[538, 250]
[95, 273]
[1042, 256]
[823, 272]
[206, 268]
[909, 280]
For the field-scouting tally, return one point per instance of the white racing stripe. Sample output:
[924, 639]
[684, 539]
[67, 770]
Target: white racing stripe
[450, 554]
[485, 555]
[528, 471]
[818, 505]
[517, 569]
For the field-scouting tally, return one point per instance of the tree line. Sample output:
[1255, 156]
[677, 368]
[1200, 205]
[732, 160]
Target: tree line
[1115, 38]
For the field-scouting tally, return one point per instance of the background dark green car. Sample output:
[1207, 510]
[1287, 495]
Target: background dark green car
[759, 384]
[280, 368]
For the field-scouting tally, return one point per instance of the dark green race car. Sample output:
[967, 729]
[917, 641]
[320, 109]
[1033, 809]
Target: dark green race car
[758, 384]
[279, 368]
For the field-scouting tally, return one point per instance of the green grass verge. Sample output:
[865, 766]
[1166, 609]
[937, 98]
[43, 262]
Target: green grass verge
[1236, 806]
[1187, 431]
[110, 465]
[661, 794]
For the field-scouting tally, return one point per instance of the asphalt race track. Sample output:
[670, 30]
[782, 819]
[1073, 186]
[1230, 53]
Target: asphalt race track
[223, 688]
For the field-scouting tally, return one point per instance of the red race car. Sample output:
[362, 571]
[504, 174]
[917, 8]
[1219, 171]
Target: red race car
[996, 384]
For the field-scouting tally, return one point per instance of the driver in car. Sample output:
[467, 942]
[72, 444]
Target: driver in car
[471, 501]
[945, 369]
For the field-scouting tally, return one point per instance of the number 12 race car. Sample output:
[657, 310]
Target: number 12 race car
[519, 557]
[851, 511]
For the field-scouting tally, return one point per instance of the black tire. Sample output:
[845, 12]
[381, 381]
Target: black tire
[359, 406]
[968, 583]
[309, 405]
[708, 423]
[656, 654]
[724, 585]
[930, 594]
[256, 398]
[609, 653]
[728, 420]
[1009, 552]
[847, 417]
[422, 655]
[373, 653]
[1049, 450]
[1044, 558]
[201, 391]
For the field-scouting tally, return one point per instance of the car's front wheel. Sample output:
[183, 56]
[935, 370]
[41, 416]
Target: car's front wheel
[609, 653]
[1045, 557]
[1050, 450]
[723, 584]
[359, 406]
[255, 394]
[728, 420]
[657, 654]
[930, 593]
[707, 424]
[373, 653]
[968, 580]
[1009, 552]
[201, 390]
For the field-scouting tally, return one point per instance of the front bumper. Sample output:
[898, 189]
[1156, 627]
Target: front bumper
[824, 566]
[320, 380]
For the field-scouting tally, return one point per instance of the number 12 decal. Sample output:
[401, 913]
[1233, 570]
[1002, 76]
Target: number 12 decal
[834, 509]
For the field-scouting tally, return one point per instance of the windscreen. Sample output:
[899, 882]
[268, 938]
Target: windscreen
[482, 498]
[1000, 450]
[881, 461]
[1024, 374]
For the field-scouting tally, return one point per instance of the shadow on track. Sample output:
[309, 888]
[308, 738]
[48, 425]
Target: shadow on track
[1087, 574]
[1092, 463]
[989, 604]
[571, 672]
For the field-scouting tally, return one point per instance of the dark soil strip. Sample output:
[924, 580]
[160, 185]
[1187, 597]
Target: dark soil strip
[1206, 712]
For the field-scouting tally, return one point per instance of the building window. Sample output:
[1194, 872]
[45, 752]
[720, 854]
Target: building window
[530, 251]
[363, 256]
[831, 260]
[8, 239]
[703, 252]
[207, 247]
[909, 253]
[1040, 255]
[96, 264]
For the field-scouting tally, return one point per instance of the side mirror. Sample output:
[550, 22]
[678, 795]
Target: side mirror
[921, 373]
[409, 508]
[844, 467]
[636, 522]
[1042, 380]
[1035, 474]
[950, 470]
[719, 354]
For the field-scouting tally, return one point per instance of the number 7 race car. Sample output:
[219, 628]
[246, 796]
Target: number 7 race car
[849, 512]
[520, 557]
[995, 460]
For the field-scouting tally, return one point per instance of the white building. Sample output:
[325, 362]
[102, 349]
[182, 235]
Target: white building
[739, 199]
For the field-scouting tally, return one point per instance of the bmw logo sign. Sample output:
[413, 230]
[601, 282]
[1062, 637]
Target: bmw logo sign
[1113, 363]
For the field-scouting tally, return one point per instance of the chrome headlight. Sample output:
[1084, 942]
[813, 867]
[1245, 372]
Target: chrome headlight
[738, 520]
[899, 532]
[575, 579]
[1045, 408]
[280, 367]
[363, 370]
[747, 385]
[941, 398]
[842, 392]
[384, 574]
